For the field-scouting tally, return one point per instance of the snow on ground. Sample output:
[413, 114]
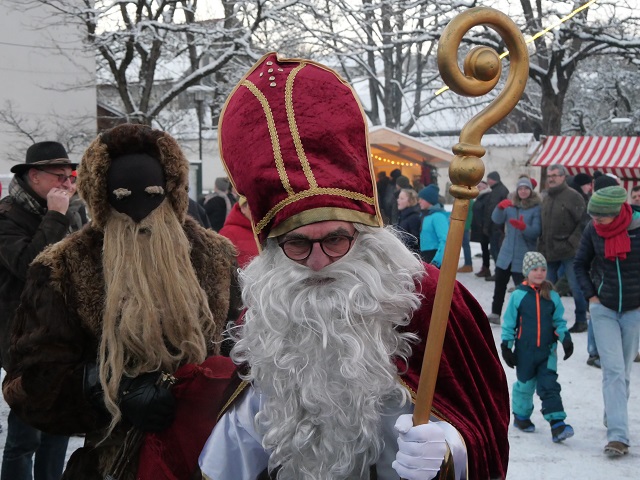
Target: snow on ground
[533, 455]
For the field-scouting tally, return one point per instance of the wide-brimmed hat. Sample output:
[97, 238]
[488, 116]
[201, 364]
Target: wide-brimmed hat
[44, 154]
[309, 158]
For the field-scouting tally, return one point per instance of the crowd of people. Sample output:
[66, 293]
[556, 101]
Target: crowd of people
[277, 328]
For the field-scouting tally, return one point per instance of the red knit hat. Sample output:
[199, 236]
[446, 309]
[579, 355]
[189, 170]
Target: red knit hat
[294, 140]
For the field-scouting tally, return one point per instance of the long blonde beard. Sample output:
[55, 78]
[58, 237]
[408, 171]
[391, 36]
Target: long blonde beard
[156, 315]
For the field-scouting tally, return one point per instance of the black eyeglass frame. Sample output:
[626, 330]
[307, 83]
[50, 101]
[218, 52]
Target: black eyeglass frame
[311, 243]
[61, 176]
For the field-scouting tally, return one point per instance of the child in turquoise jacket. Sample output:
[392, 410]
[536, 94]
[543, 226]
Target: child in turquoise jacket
[534, 322]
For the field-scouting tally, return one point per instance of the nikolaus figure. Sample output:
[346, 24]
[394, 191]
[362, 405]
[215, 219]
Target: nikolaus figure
[141, 290]
[337, 308]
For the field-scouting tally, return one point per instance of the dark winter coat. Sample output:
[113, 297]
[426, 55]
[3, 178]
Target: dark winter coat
[58, 330]
[518, 242]
[477, 221]
[562, 214]
[614, 282]
[23, 235]
[498, 193]
[409, 221]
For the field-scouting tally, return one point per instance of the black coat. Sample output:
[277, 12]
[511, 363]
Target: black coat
[23, 235]
[477, 220]
[498, 193]
[614, 282]
[410, 221]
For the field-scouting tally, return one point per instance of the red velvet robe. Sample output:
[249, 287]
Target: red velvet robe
[471, 393]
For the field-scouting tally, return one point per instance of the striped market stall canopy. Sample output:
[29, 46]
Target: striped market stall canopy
[617, 155]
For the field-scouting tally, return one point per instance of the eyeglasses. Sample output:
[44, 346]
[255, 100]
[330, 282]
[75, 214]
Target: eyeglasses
[555, 176]
[332, 245]
[62, 177]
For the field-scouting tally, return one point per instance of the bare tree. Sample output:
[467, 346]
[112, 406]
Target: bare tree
[388, 44]
[606, 28]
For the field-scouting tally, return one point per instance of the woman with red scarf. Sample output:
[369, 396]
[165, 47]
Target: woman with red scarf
[607, 265]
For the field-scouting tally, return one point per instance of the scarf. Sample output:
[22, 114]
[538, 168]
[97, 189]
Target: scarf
[24, 198]
[616, 239]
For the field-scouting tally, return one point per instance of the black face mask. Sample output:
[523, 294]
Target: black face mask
[133, 183]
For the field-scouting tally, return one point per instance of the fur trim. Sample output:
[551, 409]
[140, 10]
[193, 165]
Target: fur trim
[131, 138]
[530, 202]
[76, 271]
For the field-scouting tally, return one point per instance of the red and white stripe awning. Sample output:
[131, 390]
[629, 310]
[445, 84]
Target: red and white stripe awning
[617, 155]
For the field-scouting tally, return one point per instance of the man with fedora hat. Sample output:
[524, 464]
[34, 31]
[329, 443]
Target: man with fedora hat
[337, 308]
[32, 217]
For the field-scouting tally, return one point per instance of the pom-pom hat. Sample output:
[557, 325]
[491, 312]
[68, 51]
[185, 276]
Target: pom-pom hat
[531, 261]
[607, 201]
[293, 139]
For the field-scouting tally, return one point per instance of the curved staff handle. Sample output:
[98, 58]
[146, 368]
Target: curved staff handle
[482, 69]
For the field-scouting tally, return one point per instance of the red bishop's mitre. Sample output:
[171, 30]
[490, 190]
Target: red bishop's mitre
[293, 138]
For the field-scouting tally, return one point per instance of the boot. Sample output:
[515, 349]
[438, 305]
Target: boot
[560, 431]
[523, 423]
[465, 269]
[484, 272]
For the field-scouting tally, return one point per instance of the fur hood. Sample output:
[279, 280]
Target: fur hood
[533, 200]
[126, 139]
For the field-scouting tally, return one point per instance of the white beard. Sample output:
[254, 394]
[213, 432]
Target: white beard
[321, 347]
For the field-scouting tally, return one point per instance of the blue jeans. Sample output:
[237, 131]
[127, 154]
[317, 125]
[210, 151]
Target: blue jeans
[23, 441]
[466, 248]
[578, 297]
[617, 335]
[592, 348]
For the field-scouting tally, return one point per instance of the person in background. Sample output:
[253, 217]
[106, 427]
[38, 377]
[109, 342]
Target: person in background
[521, 215]
[635, 198]
[495, 232]
[583, 184]
[217, 204]
[32, 217]
[478, 233]
[237, 228]
[466, 238]
[381, 188]
[198, 213]
[533, 324]
[336, 310]
[562, 216]
[409, 219]
[435, 225]
[610, 252]
[390, 202]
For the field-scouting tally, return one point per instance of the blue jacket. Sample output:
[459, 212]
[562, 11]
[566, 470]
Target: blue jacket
[614, 282]
[518, 242]
[433, 235]
[531, 321]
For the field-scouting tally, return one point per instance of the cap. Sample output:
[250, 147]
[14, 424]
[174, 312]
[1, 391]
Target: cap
[607, 201]
[309, 159]
[531, 261]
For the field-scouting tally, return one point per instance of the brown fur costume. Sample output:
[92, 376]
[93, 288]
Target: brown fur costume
[59, 324]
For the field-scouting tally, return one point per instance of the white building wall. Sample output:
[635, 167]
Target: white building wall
[47, 83]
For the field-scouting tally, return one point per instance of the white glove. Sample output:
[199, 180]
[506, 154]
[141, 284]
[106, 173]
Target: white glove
[421, 449]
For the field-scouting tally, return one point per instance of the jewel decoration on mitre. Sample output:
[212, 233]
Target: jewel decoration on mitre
[293, 138]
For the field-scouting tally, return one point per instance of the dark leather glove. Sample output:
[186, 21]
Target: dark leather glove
[145, 404]
[508, 355]
[519, 224]
[567, 344]
[506, 203]
[91, 387]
